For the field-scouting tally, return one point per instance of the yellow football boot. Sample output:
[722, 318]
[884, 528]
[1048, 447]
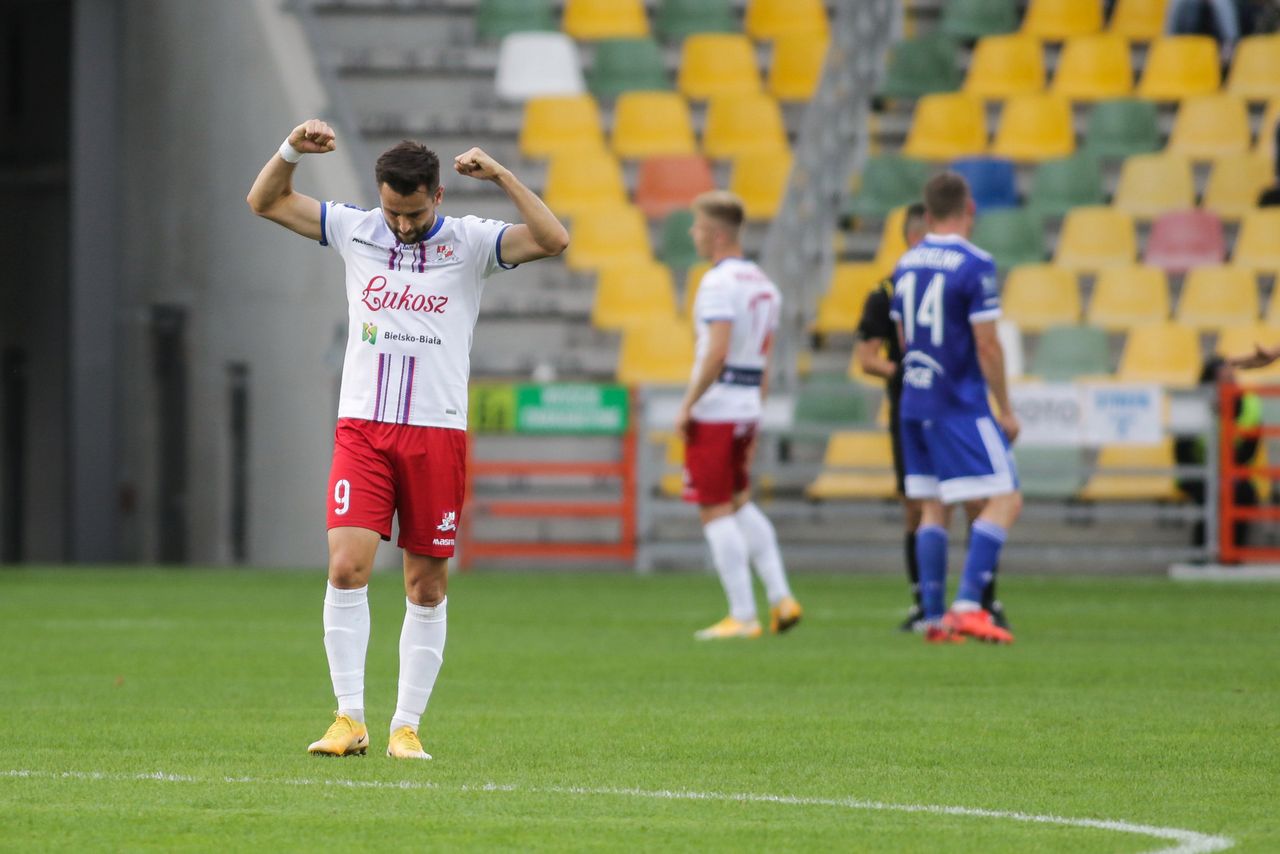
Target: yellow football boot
[404, 744]
[344, 737]
[784, 615]
[730, 628]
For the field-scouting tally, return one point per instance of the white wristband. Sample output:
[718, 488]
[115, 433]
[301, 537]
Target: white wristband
[289, 153]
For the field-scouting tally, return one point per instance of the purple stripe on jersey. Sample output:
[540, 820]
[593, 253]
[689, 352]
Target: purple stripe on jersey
[386, 393]
[404, 374]
[408, 396]
[377, 400]
[391, 259]
[422, 257]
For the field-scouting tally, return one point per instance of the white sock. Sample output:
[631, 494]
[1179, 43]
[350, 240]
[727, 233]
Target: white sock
[729, 553]
[346, 639]
[762, 544]
[421, 654]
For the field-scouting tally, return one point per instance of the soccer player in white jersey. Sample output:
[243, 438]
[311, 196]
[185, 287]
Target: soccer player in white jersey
[736, 312]
[413, 280]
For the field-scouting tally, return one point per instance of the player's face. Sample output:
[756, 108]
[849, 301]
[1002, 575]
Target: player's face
[703, 232]
[409, 216]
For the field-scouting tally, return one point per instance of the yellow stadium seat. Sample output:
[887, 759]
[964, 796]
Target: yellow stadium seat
[617, 234]
[760, 180]
[1235, 183]
[1058, 20]
[1258, 243]
[560, 123]
[1242, 339]
[856, 465]
[1138, 20]
[633, 293]
[1004, 66]
[840, 308]
[1165, 353]
[1108, 483]
[1035, 127]
[1093, 238]
[1180, 66]
[1209, 126]
[1126, 297]
[769, 19]
[797, 64]
[672, 482]
[605, 19]
[743, 124]
[692, 279]
[1255, 68]
[658, 352]
[1267, 131]
[717, 64]
[892, 242]
[585, 179]
[946, 126]
[1093, 68]
[649, 124]
[1151, 184]
[1214, 297]
[1037, 296]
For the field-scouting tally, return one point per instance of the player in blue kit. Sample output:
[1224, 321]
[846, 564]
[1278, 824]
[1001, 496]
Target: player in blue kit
[946, 304]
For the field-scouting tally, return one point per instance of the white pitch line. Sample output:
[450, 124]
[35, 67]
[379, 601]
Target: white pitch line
[1188, 841]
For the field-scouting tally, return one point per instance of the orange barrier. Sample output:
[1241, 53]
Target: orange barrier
[1229, 551]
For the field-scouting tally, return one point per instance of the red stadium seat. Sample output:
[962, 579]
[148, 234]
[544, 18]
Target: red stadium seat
[1182, 240]
[667, 184]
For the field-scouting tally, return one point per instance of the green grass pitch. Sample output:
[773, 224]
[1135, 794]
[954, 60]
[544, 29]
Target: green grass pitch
[162, 710]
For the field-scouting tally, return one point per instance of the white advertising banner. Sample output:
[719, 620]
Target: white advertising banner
[1069, 415]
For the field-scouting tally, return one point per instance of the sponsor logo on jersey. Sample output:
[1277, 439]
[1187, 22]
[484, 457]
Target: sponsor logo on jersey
[364, 242]
[449, 522]
[369, 332]
[410, 337]
[377, 296]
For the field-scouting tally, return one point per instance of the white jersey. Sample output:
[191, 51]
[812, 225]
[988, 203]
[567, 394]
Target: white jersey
[412, 310]
[738, 291]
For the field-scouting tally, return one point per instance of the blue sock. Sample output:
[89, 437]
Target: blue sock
[931, 557]
[985, 541]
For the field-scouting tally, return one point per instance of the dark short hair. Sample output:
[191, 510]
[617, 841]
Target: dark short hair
[408, 165]
[722, 206]
[913, 219]
[946, 195]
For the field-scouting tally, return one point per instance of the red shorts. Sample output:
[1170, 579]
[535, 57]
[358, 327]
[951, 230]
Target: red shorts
[418, 473]
[716, 461]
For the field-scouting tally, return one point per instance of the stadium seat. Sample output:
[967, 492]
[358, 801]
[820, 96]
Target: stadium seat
[1065, 353]
[605, 19]
[855, 465]
[1209, 126]
[1126, 297]
[714, 64]
[615, 234]
[760, 180]
[657, 352]
[1153, 480]
[536, 65]
[1255, 68]
[888, 181]
[892, 243]
[1235, 182]
[973, 19]
[1094, 68]
[666, 184]
[768, 19]
[830, 400]
[1093, 238]
[1038, 296]
[796, 67]
[692, 279]
[1138, 20]
[1058, 20]
[921, 66]
[1050, 473]
[581, 180]
[498, 18]
[947, 126]
[1164, 353]
[743, 124]
[565, 123]
[1181, 240]
[676, 19]
[671, 484]
[633, 293]
[1065, 183]
[626, 65]
[1243, 338]
[1266, 145]
[992, 182]
[1122, 127]
[1180, 66]
[677, 249]
[1035, 127]
[650, 124]
[1013, 236]
[1151, 184]
[1004, 66]
[1258, 242]
[1213, 297]
[840, 308]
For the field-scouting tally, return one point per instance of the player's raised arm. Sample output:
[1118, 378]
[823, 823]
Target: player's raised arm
[272, 195]
[540, 234]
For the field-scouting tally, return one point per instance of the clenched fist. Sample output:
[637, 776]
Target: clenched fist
[476, 164]
[313, 137]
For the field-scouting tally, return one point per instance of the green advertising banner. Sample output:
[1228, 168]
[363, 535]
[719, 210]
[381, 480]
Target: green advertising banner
[560, 408]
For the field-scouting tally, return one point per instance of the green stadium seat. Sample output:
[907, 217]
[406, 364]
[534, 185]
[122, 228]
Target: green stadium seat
[498, 18]
[888, 181]
[920, 66]
[1122, 127]
[1062, 184]
[676, 246]
[675, 19]
[973, 19]
[1066, 352]
[1050, 473]
[1011, 235]
[831, 400]
[624, 65]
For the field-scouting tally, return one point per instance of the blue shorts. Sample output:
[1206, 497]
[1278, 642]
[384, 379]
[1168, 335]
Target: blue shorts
[957, 458]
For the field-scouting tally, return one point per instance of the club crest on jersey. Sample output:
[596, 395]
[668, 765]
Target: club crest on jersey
[369, 332]
[443, 251]
[449, 522]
